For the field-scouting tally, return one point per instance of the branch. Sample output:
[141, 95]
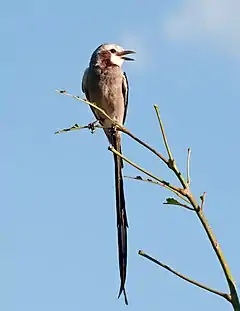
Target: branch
[64, 92]
[76, 127]
[185, 191]
[224, 295]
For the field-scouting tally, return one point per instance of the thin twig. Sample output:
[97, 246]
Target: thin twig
[224, 295]
[64, 92]
[159, 155]
[171, 187]
[188, 167]
[77, 127]
[72, 128]
[163, 133]
[172, 201]
[139, 178]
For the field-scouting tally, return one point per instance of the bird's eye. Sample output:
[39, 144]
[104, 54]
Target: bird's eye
[113, 51]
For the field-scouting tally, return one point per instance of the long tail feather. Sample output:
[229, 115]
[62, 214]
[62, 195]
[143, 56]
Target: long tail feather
[122, 223]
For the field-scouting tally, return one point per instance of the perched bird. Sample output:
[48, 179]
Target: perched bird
[105, 84]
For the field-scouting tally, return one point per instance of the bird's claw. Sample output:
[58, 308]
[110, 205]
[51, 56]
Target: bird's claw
[91, 126]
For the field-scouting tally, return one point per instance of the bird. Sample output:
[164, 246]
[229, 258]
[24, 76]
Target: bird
[106, 85]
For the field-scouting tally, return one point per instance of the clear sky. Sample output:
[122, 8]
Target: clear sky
[57, 224]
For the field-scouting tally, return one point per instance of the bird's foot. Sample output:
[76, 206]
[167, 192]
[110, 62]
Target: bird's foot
[92, 127]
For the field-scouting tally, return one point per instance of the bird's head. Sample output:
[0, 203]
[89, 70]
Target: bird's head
[107, 55]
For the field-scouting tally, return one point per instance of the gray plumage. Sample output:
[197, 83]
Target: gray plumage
[105, 84]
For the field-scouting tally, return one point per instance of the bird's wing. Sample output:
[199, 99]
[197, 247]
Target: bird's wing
[86, 91]
[125, 90]
[85, 83]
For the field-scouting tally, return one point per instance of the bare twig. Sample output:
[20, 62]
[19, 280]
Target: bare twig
[224, 295]
[188, 167]
[76, 127]
[163, 133]
[154, 151]
[139, 178]
[64, 92]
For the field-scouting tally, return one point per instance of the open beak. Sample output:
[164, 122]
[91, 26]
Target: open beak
[126, 52]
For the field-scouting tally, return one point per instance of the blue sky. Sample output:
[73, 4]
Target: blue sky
[58, 234]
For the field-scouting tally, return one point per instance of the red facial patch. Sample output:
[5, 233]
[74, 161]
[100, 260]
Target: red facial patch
[105, 57]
